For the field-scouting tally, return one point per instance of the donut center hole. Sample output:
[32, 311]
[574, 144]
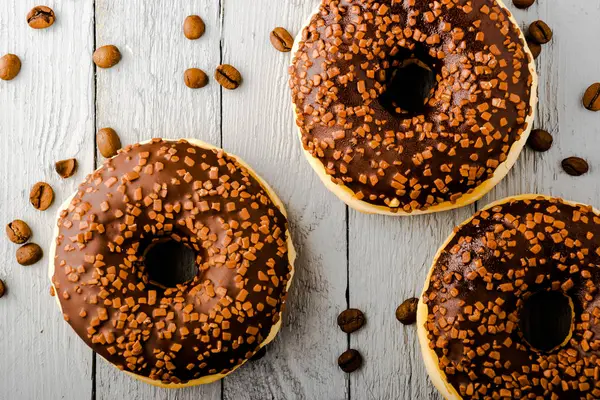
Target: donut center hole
[546, 320]
[169, 263]
[410, 83]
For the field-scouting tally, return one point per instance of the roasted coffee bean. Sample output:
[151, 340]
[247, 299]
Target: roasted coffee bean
[407, 311]
[41, 17]
[193, 27]
[281, 40]
[18, 231]
[10, 65]
[351, 320]
[591, 97]
[228, 77]
[522, 4]
[575, 166]
[41, 196]
[195, 78]
[535, 48]
[107, 56]
[540, 32]
[29, 254]
[259, 354]
[66, 168]
[108, 142]
[350, 360]
[2, 288]
[540, 140]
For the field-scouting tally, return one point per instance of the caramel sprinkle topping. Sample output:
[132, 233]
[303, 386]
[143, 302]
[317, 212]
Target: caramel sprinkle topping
[345, 66]
[203, 199]
[517, 249]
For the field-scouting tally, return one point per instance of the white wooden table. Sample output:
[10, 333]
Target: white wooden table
[53, 108]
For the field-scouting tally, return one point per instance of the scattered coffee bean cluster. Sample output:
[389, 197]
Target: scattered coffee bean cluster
[226, 75]
[19, 232]
[353, 319]
[350, 321]
[540, 33]
[40, 17]
[41, 195]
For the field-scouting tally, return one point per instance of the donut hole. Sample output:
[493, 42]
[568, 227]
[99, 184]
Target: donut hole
[169, 263]
[410, 83]
[546, 320]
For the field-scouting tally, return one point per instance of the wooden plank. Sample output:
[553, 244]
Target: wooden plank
[144, 96]
[46, 114]
[389, 260]
[566, 68]
[258, 126]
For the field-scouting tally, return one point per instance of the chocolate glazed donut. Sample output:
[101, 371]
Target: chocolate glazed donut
[410, 107]
[511, 308]
[187, 193]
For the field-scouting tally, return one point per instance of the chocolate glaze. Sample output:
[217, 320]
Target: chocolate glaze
[342, 69]
[203, 198]
[478, 286]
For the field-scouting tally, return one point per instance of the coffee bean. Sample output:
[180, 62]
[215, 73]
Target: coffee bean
[540, 140]
[2, 288]
[41, 196]
[18, 231]
[193, 27]
[407, 311]
[195, 78]
[351, 320]
[66, 168]
[108, 142]
[522, 4]
[591, 97]
[575, 166]
[228, 77]
[281, 40]
[107, 56]
[350, 361]
[41, 17]
[540, 32]
[535, 48]
[29, 254]
[259, 354]
[10, 65]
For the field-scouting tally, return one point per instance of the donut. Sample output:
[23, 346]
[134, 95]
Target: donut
[194, 196]
[511, 308]
[375, 141]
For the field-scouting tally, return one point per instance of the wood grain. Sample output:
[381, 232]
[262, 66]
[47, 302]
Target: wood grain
[144, 96]
[49, 113]
[389, 260]
[258, 126]
[46, 114]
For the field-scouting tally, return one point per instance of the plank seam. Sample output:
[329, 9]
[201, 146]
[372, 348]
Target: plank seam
[348, 387]
[221, 39]
[95, 101]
